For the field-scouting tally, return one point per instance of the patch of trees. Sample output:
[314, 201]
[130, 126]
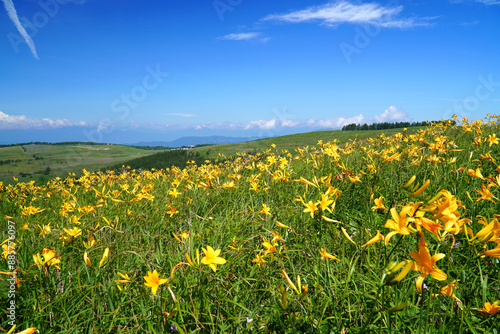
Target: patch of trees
[8, 161]
[387, 125]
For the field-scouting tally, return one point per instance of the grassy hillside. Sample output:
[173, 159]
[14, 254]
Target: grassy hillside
[41, 162]
[398, 234]
[180, 158]
[44, 161]
[293, 141]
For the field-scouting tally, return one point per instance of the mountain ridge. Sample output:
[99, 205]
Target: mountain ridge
[196, 140]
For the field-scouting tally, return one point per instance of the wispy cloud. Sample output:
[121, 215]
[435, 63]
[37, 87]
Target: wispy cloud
[181, 114]
[339, 12]
[262, 124]
[489, 2]
[21, 122]
[485, 2]
[469, 23]
[11, 11]
[245, 36]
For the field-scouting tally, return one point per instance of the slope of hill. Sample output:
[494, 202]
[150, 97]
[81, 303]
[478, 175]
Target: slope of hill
[196, 140]
[179, 158]
[40, 162]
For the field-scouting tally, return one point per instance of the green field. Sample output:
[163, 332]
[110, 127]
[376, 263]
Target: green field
[399, 234]
[41, 162]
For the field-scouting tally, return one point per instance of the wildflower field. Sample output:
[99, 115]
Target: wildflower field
[397, 233]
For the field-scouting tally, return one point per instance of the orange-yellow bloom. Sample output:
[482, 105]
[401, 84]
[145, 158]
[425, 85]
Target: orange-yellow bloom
[9, 248]
[30, 210]
[399, 222]
[86, 259]
[72, 233]
[265, 209]
[325, 202]
[153, 281]
[126, 278]
[104, 257]
[282, 225]
[325, 255]
[30, 330]
[426, 264]
[492, 139]
[174, 193]
[347, 235]
[485, 193]
[375, 239]
[49, 258]
[491, 309]
[182, 236]
[270, 248]
[172, 211]
[448, 290]
[432, 226]
[378, 204]
[310, 207]
[495, 252]
[259, 259]
[212, 258]
[293, 286]
[475, 173]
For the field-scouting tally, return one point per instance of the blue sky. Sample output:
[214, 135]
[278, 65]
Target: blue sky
[128, 71]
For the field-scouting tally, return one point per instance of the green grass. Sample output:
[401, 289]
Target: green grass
[62, 159]
[135, 215]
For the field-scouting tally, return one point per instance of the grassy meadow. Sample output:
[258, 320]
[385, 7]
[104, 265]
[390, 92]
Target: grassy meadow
[41, 162]
[398, 233]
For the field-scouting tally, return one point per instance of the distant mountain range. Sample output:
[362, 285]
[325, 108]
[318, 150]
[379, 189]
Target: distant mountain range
[193, 140]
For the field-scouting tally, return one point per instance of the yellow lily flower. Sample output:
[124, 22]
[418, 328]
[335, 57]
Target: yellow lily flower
[325, 255]
[375, 239]
[212, 258]
[378, 204]
[259, 259]
[399, 222]
[153, 281]
[347, 235]
[491, 309]
[86, 259]
[426, 264]
[104, 257]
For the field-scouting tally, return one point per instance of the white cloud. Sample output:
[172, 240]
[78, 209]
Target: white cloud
[392, 114]
[245, 36]
[262, 124]
[21, 122]
[287, 123]
[181, 114]
[335, 13]
[354, 119]
[11, 11]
